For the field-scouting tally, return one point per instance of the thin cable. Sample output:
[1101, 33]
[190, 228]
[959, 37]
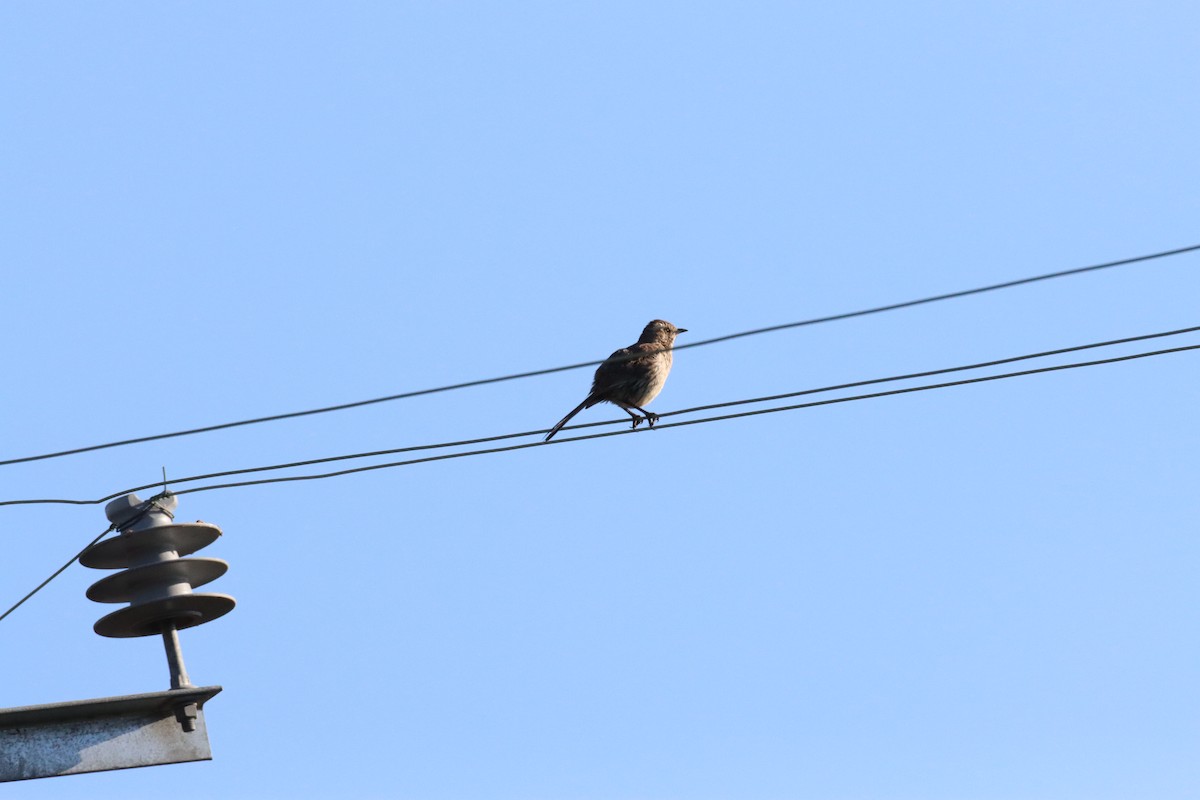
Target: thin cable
[926, 374]
[55, 574]
[770, 398]
[726, 404]
[660, 426]
[938, 297]
[794, 407]
[146, 508]
[721, 418]
[552, 370]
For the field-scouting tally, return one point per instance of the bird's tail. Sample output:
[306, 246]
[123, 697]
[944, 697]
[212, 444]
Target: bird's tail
[587, 403]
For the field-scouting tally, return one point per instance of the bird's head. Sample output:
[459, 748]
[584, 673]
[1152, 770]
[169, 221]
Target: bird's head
[661, 331]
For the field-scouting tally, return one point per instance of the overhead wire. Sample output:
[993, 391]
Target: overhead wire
[55, 574]
[939, 297]
[708, 407]
[535, 373]
[721, 418]
[660, 426]
[146, 508]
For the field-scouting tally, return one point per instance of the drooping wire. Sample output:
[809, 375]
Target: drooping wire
[56, 573]
[661, 425]
[721, 418]
[146, 508]
[793, 407]
[766, 399]
[535, 373]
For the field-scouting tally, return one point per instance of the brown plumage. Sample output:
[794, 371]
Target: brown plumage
[633, 376]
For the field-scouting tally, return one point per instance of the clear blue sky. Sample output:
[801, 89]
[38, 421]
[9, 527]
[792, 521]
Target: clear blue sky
[214, 211]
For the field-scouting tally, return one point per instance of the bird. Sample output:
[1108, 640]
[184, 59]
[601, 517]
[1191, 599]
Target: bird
[632, 376]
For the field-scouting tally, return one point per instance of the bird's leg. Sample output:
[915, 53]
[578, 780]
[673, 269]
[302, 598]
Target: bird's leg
[651, 417]
[636, 419]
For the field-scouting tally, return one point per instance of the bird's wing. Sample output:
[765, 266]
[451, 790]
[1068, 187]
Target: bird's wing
[624, 366]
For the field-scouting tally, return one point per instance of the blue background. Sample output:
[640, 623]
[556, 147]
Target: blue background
[215, 211]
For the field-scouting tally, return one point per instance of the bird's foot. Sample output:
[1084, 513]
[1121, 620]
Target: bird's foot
[649, 419]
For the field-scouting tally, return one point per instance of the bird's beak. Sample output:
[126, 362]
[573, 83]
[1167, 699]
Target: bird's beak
[681, 330]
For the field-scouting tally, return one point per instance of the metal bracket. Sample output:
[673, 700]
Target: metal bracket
[138, 730]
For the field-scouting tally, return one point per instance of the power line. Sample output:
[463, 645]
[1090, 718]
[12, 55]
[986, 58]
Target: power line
[726, 404]
[793, 407]
[930, 373]
[149, 504]
[552, 370]
[501, 437]
[720, 418]
[939, 297]
[55, 574]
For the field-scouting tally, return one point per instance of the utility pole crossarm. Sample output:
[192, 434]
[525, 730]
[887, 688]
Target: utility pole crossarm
[136, 730]
[157, 582]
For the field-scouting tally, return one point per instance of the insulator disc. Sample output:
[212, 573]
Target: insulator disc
[125, 586]
[127, 549]
[145, 619]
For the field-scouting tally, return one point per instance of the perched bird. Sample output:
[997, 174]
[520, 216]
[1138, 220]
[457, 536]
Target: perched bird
[632, 376]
